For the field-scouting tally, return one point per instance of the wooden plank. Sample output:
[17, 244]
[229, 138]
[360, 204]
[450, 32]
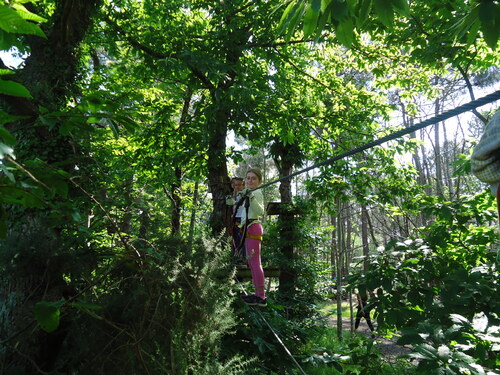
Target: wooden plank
[277, 208]
[244, 272]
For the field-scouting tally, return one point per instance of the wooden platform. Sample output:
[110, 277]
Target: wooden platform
[278, 208]
[243, 272]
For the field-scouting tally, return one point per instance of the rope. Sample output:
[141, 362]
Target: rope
[433, 120]
[277, 337]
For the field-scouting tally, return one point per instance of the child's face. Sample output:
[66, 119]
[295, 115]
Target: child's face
[251, 180]
[237, 185]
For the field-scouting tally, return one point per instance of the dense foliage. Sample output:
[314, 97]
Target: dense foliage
[121, 125]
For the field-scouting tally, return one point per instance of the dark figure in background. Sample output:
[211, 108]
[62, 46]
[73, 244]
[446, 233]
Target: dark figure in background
[362, 312]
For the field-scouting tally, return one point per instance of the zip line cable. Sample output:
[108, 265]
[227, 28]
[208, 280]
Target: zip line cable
[490, 98]
[277, 337]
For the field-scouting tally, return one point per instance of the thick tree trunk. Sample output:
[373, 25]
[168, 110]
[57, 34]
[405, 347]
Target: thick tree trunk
[218, 179]
[285, 156]
[49, 73]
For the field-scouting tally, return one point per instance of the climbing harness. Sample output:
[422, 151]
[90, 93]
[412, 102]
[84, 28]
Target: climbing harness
[254, 237]
[239, 248]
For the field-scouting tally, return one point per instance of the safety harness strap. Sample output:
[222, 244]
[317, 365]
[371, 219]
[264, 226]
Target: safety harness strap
[254, 236]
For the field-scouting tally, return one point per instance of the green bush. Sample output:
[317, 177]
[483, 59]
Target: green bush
[442, 292]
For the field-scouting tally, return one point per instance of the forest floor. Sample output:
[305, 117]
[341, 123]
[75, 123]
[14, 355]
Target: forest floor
[387, 346]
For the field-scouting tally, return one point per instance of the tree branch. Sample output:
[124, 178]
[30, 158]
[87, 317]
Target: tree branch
[471, 93]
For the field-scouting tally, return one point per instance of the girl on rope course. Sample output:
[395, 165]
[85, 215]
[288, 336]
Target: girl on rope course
[251, 217]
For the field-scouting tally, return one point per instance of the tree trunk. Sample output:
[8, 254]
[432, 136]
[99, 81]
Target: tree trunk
[339, 262]
[218, 180]
[284, 160]
[49, 73]
[437, 150]
[175, 189]
[333, 253]
[193, 213]
[364, 237]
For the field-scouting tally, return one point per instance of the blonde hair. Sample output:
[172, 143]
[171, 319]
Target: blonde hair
[256, 172]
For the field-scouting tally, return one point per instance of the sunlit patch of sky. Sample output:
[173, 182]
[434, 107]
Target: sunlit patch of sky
[11, 58]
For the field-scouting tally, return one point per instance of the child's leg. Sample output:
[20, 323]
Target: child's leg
[358, 318]
[369, 322]
[253, 254]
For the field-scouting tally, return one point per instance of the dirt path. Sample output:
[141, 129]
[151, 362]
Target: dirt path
[387, 346]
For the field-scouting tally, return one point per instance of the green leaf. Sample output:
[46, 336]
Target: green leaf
[5, 135]
[287, 16]
[410, 339]
[489, 15]
[323, 19]
[6, 118]
[114, 128]
[345, 32]
[129, 124]
[59, 185]
[384, 11]
[310, 20]
[401, 6]
[12, 22]
[4, 72]
[8, 173]
[294, 21]
[48, 314]
[365, 7]
[316, 5]
[13, 89]
[339, 10]
[7, 40]
[26, 14]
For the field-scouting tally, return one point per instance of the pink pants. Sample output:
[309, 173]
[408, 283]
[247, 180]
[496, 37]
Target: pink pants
[253, 254]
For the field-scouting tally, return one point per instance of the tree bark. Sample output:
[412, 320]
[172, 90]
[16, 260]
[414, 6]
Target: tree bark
[339, 263]
[175, 189]
[193, 213]
[437, 149]
[50, 73]
[364, 237]
[285, 156]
